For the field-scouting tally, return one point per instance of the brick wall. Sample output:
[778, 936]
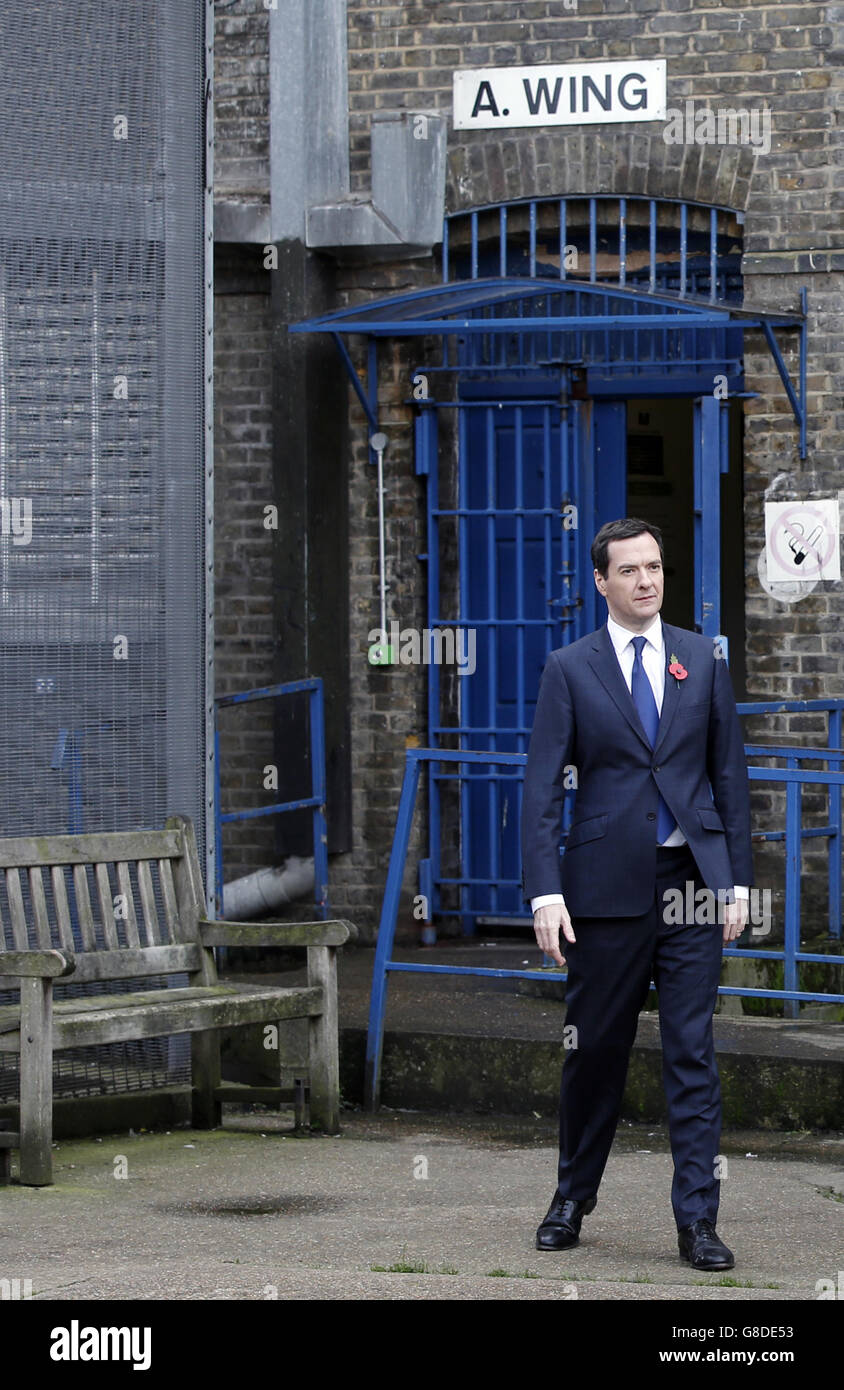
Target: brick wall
[785, 57]
[241, 98]
[244, 609]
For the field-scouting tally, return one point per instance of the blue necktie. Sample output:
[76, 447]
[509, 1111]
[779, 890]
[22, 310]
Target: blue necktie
[645, 702]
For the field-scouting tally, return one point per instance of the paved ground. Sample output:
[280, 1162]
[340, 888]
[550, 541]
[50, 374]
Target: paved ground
[407, 1206]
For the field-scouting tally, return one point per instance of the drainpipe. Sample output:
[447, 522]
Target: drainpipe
[268, 889]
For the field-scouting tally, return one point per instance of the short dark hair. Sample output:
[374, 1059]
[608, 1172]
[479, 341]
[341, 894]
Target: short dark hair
[623, 530]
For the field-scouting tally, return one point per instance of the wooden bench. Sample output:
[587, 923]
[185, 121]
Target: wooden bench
[130, 905]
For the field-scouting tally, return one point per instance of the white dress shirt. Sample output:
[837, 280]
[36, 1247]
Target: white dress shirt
[653, 662]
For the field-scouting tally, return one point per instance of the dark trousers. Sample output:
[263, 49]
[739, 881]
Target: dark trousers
[609, 970]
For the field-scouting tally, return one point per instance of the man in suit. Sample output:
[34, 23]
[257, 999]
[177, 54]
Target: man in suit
[654, 877]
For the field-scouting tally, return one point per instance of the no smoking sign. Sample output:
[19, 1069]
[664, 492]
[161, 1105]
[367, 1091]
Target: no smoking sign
[802, 540]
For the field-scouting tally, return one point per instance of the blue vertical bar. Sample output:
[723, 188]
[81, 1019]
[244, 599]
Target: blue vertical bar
[684, 231]
[317, 722]
[707, 515]
[834, 842]
[493, 634]
[520, 307]
[445, 250]
[548, 344]
[563, 240]
[474, 226]
[532, 225]
[427, 433]
[622, 240]
[593, 239]
[547, 538]
[583, 469]
[520, 595]
[605, 309]
[793, 797]
[387, 931]
[652, 246]
[463, 614]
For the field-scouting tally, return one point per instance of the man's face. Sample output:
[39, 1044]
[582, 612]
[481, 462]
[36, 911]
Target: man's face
[634, 583]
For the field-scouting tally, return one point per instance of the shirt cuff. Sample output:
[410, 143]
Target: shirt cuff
[546, 900]
[741, 891]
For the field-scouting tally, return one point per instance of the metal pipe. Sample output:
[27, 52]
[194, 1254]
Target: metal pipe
[267, 889]
[378, 443]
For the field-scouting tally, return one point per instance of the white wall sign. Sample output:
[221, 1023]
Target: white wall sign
[802, 540]
[559, 94]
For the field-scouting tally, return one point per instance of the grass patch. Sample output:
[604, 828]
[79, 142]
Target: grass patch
[401, 1267]
[728, 1282]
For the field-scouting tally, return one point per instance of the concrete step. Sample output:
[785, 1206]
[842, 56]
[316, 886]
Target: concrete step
[469, 1045]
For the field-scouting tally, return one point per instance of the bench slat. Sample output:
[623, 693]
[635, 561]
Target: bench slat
[6, 942]
[24, 851]
[224, 933]
[44, 965]
[134, 962]
[211, 1007]
[39, 910]
[125, 884]
[124, 964]
[168, 895]
[62, 908]
[83, 908]
[16, 910]
[190, 892]
[145, 888]
[106, 907]
[10, 1013]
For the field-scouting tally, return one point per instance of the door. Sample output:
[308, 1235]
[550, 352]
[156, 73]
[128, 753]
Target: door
[537, 475]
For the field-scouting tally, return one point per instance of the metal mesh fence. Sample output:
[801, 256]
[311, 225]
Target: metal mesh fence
[101, 434]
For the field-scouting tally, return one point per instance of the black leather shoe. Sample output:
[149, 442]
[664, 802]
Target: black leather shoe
[700, 1245]
[561, 1226]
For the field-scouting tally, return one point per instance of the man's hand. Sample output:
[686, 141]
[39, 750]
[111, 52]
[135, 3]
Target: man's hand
[547, 922]
[735, 918]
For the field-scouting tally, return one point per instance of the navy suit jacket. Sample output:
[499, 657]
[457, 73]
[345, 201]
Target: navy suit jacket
[586, 718]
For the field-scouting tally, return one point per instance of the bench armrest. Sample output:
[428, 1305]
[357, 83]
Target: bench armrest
[223, 933]
[47, 964]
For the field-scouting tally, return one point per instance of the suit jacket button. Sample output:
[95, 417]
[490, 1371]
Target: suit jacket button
[651, 815]
[657, 769]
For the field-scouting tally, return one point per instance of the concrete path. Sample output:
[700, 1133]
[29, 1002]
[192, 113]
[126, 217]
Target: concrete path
[407, 1206]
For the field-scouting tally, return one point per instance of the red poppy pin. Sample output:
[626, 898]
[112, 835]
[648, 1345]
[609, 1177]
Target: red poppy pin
[677, 669]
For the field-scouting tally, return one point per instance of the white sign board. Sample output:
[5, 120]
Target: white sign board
[802, 540]
[559, 94]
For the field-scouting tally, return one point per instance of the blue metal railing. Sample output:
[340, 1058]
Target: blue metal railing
[316, 800]
[792, 777]
[708, 246]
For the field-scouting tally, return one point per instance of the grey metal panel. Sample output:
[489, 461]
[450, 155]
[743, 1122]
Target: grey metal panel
[309, 110]
[241, 220]
[409, 171]
[102, 398]
[208, 460]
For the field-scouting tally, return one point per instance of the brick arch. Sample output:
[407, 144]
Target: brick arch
[488, 168]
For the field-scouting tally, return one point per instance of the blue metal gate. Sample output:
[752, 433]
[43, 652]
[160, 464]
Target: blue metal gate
[537, 475]
[530, 494]
[553, 314]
